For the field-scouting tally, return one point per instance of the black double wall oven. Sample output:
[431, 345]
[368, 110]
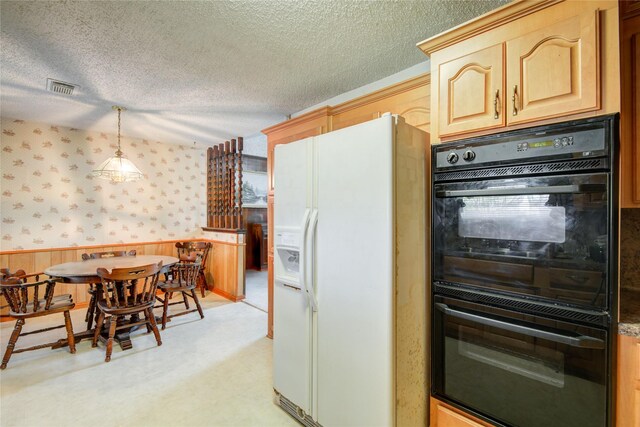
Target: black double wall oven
[524, 272]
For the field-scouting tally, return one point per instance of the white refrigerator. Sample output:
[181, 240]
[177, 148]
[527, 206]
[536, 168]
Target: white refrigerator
[349, 344]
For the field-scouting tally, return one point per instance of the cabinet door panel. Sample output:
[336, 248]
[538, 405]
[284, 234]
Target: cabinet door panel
[470, 92]
[630, 112]
[628, 393]
[554, 71]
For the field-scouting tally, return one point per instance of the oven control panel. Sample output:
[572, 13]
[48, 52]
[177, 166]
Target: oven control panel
[561, 140]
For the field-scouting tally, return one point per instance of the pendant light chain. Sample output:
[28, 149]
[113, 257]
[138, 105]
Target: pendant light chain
[119, 152]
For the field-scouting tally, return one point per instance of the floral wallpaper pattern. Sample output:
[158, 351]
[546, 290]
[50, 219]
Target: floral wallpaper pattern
[50, 199]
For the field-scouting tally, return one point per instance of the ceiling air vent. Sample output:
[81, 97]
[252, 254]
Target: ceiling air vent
[61, 88]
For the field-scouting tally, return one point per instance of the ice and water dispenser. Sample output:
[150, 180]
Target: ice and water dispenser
[287, 256]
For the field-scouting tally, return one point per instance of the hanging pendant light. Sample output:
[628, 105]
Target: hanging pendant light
[118, 168]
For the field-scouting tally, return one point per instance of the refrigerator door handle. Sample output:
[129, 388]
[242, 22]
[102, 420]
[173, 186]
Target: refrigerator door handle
[310, 289]
[303, 241]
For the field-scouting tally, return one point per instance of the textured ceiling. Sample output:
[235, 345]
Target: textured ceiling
[209, 70]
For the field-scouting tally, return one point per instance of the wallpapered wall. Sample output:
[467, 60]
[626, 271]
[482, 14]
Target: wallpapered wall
[50, 199]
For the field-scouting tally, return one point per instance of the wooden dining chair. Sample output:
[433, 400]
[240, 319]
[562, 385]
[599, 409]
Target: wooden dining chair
[201, 251]
[108, 254]
[92, 309]
[181, 278]
[29, 297]
[125, 292]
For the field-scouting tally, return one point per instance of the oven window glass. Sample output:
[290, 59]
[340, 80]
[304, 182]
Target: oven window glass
[519, 379]
[542, 236]
[516, 218]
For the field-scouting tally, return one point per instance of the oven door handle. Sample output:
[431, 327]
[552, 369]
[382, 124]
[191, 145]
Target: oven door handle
[581, 341]
[511, 191]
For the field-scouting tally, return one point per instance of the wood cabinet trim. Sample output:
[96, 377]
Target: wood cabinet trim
[630, 109]
[629, 8]
[404, 86]
[483, 23]
[312, 115]
[438, 407]
[227, 295]
[635, 112]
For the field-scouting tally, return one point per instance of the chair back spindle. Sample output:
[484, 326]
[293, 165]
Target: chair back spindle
[92, 310]
[129, 287]
[16, 290]
[181, 279]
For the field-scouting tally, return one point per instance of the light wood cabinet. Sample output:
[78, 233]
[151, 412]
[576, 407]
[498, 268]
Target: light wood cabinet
[630, 111]
[443, 415]
[628, 393]
[409, 99]
[553, 71]
[528, 61]
[471, 92]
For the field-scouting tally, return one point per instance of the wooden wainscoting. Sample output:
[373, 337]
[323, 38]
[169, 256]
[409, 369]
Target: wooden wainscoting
[35, 260]
[224, 272]
[225, 269]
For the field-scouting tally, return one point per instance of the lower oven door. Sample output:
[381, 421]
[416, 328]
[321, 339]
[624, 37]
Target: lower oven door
[517, 369]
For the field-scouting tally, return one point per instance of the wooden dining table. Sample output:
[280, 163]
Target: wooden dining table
[86, 272]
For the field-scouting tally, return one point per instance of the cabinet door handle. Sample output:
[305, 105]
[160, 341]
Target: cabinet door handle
[495, 104]
[513, 98]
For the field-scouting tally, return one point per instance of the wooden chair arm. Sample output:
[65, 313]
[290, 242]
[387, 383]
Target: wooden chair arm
[17, 292]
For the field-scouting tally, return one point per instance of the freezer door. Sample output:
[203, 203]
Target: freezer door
[291, 182]
[291, 313]
[354, 275]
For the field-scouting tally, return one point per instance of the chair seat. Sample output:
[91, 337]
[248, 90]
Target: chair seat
[102, 305]
[182, 280]
[176, 286]
[26, 292]
[59, 303]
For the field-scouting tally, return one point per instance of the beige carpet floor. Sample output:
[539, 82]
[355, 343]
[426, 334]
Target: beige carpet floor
[256, 289]
[211, 372]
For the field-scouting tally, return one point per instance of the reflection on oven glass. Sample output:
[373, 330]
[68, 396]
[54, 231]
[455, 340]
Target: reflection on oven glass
[523, 380]
[512, 218]
[518, 364]
[542, 236]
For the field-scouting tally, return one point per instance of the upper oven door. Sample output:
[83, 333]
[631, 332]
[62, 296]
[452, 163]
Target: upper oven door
[546, 237]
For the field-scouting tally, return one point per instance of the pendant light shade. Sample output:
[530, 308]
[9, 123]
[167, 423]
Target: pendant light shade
[118, 168]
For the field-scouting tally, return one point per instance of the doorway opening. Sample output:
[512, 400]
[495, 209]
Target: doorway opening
[256, 273]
